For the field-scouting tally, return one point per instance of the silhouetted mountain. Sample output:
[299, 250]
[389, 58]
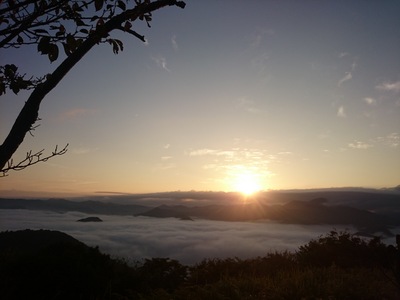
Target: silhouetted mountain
[33, 241]
[369, 210]
[47, 264]
[62, 205]
[90, 219]
[294, 212]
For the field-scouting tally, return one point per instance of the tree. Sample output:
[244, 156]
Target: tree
[73, 26]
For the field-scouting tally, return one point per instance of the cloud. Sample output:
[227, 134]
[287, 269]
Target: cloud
[343, 54]
[83, 150]
[161, 62]
[167, 146]
[75, 113]
[259, 63]
[174, 43]
[201, 152]
[166, 157]
[189, 242]
[259, 36]
[341, 112]
[389, 86]
[359, 145]
[370, 101]
[391, 140]
[248, 105]
[345, 78]
[165, 166]
[353, 66]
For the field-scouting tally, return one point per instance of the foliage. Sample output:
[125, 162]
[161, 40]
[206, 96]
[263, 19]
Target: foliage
[67, 269]
[344, 249]
[161, 273]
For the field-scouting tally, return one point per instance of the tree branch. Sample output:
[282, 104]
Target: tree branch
[30, 160]
[29, 113]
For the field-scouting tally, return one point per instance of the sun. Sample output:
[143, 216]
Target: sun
[247, 183]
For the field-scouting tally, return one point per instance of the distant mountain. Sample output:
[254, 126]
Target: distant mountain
[369, 210]
[90, 219]
[311, 212]
[62, 205]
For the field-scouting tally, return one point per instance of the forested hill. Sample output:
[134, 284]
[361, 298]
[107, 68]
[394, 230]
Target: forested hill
[54, 265]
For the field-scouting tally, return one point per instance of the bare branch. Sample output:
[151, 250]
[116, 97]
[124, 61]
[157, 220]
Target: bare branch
[31, 159]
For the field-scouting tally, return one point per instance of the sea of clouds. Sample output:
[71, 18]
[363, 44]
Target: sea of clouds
[136, 238]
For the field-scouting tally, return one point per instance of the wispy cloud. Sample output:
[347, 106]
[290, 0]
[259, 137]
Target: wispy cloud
[259, 36]
[392, 139]
[389, 86]
[166, 158]
[345, 78]
[167, 146]
[359, 145]
[353, 66]
[259, 63]
[161, 62]
[174, 43]
[201, 152]
[370, 101]
[75, 113]
[343, 54]
[83, 150]
[165, 166]
[341, 112]
[248, 105]
[231, 162]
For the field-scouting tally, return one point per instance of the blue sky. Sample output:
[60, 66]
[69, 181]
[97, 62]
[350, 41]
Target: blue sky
[277, 94]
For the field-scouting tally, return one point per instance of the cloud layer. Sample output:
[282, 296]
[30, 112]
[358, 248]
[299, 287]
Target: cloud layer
[187, 241]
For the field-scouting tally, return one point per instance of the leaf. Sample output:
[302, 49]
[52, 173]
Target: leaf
[43, 45]
[10, 70]
[53, 52]
[79, 22]
[76, 7]
[2, 88]
[128, 25]
[71, 42]
[98, 4]
[40, 30]
[20, 40]
[116, 44]
[14, 87]
[120, 44]
[121, 5]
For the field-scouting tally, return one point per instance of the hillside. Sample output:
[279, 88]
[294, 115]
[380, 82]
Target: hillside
[54, 265]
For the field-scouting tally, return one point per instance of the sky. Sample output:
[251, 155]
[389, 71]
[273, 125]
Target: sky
[223, 96]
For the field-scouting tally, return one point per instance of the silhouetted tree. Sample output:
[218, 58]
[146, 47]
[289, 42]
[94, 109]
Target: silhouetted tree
[161, 273]
[344, 249]
[73, 26]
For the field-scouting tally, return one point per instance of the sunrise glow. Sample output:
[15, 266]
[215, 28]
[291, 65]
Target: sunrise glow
[247, 183]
